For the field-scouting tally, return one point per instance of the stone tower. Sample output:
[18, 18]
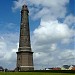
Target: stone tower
[24, 54]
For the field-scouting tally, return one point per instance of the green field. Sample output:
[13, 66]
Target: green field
[33, 73]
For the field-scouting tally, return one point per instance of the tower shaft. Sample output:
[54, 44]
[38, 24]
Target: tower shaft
[24, 54]
[24, 41]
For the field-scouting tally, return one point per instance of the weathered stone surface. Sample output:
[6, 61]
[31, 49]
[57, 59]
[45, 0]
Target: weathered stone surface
[24, 54]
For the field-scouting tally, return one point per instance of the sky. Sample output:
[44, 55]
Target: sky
[52, 32]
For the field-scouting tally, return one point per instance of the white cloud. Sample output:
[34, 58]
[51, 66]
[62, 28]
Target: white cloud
[2, 47]
[67, 54]
[18, 4]
[70, 21]
[8, 49]
[46, 43]
[66, 41]
[41, 13]
[50, 3]
[7, 27]
[51, 32]
[67, 57]
[10, 26]
[53, 47]
[50, 13]
[52, 8]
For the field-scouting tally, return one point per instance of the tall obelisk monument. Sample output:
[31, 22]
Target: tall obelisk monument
[24, 54]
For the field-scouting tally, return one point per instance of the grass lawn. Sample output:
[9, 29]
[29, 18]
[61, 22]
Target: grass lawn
[33, 73]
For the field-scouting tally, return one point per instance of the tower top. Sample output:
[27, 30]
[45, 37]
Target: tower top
[24, 7]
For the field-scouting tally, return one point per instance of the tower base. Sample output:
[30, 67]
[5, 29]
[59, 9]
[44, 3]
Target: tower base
[25, 61]
[25, 68]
